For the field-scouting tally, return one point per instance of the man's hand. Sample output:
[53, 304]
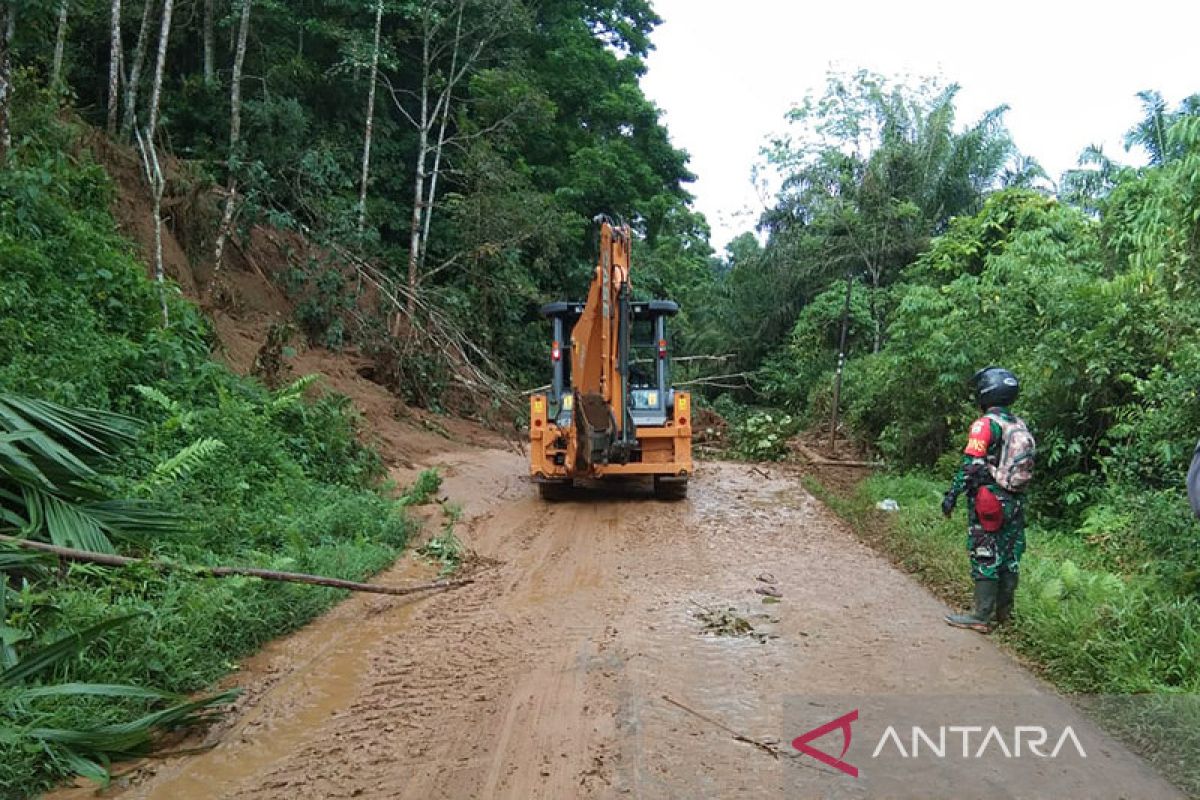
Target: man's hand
[977, 475]
[949, 501]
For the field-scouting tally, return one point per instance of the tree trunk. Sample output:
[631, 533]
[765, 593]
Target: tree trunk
[366, 159]
[164, 37]
[154, 177]
[114, 66]
[159, 273]
[418, 205]
[414, 242]
[877, 345]
[441, 143]
[135, 72]
[60, 42]
[210, 74]
[8, 27]
[235, 132]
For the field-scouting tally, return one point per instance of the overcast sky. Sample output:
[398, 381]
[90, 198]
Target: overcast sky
[725, 73]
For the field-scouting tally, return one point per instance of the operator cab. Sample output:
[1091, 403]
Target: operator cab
[649, 392]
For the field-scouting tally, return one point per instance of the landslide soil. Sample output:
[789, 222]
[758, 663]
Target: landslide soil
[546, 677]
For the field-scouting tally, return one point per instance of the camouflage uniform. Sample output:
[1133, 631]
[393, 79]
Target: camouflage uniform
[992, 553]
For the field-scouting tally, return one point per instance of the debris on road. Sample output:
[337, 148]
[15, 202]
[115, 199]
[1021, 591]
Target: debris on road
[768, 747]
[729, 622]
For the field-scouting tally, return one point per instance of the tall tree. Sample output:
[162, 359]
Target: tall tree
[60, 41]
[235, 131]
[370, 124]
[873, 169]
[452, 47]
[135, 71]
[209, 42]
[8, 26]
[158, 183]
[114, 66]
[164, 37]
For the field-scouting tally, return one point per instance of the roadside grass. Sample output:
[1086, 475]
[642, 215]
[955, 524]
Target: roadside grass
[273, 479]
[1087, 628]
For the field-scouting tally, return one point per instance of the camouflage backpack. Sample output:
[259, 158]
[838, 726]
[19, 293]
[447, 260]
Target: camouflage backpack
[1014, 469]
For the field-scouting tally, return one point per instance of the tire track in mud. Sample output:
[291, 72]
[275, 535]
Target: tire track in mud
[545, 678]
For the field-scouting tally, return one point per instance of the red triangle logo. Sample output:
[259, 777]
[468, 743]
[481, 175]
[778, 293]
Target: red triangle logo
[842, 723]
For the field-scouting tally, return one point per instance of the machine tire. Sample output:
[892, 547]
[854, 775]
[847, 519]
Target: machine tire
[555, 491]
[673, 489]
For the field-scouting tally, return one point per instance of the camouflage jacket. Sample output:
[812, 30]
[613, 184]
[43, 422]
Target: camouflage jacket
[984, 442]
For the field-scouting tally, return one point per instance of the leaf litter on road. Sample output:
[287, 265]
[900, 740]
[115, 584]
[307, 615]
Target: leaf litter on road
[729, 621]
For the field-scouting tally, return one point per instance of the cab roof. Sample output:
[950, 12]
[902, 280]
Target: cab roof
[642, 309]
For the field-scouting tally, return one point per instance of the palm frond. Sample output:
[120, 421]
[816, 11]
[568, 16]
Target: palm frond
[49, 455]
[130, 738]
[67, 524]
[91, 690]
[128, 518]
[47, 656]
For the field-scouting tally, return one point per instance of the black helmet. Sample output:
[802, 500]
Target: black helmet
[995, 386]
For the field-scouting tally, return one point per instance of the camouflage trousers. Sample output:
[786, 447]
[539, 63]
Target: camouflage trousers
[995, 552]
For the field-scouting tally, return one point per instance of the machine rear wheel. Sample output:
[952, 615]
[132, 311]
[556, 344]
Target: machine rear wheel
[670, 488]
[555, 491]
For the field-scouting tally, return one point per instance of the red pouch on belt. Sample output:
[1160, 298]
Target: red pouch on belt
[989, 510]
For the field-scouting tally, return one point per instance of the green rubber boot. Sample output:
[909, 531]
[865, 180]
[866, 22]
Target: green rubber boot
[983, 619]
[1005, 596]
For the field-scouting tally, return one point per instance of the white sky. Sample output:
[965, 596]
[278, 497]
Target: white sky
[725, 73]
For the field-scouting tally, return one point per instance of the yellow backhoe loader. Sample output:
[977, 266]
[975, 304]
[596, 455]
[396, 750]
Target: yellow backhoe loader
[610, 412]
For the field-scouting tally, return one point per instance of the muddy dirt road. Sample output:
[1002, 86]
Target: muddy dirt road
[546, 678]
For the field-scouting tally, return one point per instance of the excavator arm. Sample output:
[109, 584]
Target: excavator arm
[609, 415]
[600, 356]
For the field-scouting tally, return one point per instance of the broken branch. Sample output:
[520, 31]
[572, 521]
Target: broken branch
[109, 560]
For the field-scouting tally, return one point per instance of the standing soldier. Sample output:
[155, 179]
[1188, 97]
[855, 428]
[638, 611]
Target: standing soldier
[997, 465]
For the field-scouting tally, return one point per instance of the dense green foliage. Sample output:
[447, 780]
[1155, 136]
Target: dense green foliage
[251, 476]
[1090, 297]
[531, 118]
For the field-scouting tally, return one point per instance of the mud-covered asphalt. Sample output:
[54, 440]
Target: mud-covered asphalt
[546, 678]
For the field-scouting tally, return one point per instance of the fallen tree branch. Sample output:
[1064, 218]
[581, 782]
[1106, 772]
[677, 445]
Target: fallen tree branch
[109, 560]
[719, 381]
[821, 461]
[766, 747]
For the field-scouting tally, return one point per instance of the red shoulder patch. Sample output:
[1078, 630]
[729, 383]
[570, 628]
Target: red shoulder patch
[979, 438]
